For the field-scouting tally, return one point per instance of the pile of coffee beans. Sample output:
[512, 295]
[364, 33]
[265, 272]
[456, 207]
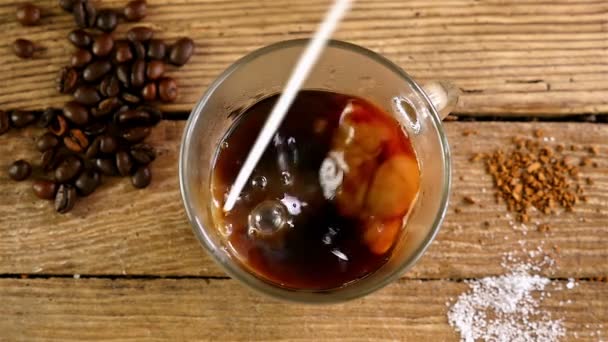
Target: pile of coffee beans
[114, 83]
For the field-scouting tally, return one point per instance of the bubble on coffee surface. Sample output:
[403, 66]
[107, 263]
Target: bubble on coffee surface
[267, 219]
[286, 178]
[259, 182]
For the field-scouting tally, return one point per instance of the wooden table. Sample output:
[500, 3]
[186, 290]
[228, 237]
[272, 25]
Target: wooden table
[125, 265]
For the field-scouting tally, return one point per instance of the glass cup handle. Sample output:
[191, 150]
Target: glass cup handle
[443, 95]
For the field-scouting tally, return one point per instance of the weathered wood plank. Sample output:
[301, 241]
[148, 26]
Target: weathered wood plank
[120, 230]
[510, 58]
[187, 309]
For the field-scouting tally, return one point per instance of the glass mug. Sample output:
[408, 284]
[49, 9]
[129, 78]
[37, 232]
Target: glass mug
[343, 68]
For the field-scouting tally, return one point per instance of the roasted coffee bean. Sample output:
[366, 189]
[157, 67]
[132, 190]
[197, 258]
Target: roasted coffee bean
[80, 38]
[86, 95]
[133, 117]
[68, 169]
[108, 144]
[87, 182]
[138, 73]
[130, 98]
[93, 149]
[155, 114]
[67, 79]
[46, 142]
[47, 117]
[106, 107]
[148, 92]
[24, 48]
[19, 170]
[167, 90]
[48, 160]
[140, 34]
[28, 14]
[66, 5]
[5, 124]
[122, 52]
[109, 86]
[135, 134]
[21, 118]
[143, 153]
[181, 51]
[76, 113]
[142, 177]
[123, 72]
[155, 70]
[65, 198]
[124, 163]
[135, 10]
[96, 70]
[76, 141]
[139, 50]
[103, 45]
[106, 20]
[94, 129]
[80, 58]
[84, 13]
[157, 49]
[44, 189]
[59, 126]
[106, 166]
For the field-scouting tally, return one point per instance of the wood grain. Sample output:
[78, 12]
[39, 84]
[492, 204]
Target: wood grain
[221, 310]
[122, 231]
[509, 57]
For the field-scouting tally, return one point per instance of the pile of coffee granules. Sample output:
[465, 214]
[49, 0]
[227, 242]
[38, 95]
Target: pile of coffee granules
[114, 83]
[535, 175]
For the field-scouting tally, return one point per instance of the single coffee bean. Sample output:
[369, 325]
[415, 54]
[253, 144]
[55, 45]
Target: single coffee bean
[167, 90]
[138, 73]
[84, 13]
[76, 141]
[5, 124]
[86, 95]
[66, 5]
[103, 45]
[44, 189]
[20, 118]
[96, 70]
[48, 160]
[123, 73]
[106, 107]
[108, 144]
[122, 52]
[94, 129]
[181, 51]
[19, 170]
[80, 38]
[66, 80]
[87, 182]
[140, 34]
[28, 14]
[76, 113]
[80, 58]
[135, 134]
[148, 92]
[124, 163]
[106, 166]
[46, 142]
[142, 177]
[133, 117]
[24, 48]
[65, 198]
[130, 98]
[68, 169]
[143, 153]
[93, 149]
[135, 10]
[109, 86]
[106, 20]
[47, 117]
[155, 69]
[155, 114]
[139, 50]
[157, 49]
[59, 126]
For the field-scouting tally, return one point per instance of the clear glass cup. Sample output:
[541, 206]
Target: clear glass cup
[343, 68]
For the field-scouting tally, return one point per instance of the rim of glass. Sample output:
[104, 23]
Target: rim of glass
[264, 287]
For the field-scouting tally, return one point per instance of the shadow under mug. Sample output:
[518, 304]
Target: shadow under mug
[342, 68]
